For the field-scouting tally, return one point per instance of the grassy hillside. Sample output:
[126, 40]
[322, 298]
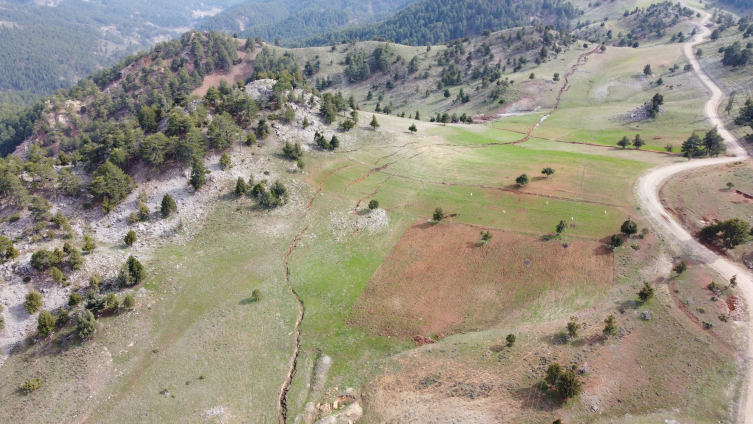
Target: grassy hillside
[305, 240]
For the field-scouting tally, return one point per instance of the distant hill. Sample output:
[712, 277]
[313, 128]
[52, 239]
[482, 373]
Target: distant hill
[288, 20]
[45, 48]
[439, 21]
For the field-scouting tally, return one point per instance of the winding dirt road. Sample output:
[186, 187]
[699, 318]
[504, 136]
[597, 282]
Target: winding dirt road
[648, 195]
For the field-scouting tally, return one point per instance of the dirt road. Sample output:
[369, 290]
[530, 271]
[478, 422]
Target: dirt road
[648, 195]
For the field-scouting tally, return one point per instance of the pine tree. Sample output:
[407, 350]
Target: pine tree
[225, 162]
[198, 173]
[168, 206]
[45, 323]
[240, 187]
[130, 238]
[86, 324]
[374, 123]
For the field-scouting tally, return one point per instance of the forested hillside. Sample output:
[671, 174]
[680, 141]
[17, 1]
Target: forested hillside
[438, 21]
[289, 20]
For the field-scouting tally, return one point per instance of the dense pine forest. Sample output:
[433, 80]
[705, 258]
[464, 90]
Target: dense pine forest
[435, 22]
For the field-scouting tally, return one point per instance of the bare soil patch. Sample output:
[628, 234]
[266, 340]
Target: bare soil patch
[440, 279]
[239, 72]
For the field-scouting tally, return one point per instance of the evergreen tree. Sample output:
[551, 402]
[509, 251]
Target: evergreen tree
[86, 324]
[638, 141]
[130, 238]
[374, 123]
[714, 143]
[33, 302]
[240, 187]
[168, 206]
[198, 173]
[692, 147]
[45, 323]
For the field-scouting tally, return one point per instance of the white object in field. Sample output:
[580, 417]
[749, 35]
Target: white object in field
[572, 219]
[503, 211]
[547, 202]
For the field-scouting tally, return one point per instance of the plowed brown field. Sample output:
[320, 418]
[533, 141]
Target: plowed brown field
[440, 279]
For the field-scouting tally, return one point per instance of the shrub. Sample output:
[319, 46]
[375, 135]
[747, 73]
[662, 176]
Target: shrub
[57, 275]
[86, 324]
[616, 241]
[74, 299]
[680, 267]
[568, 385]
[129, 302]
[45, 323]
[31, 385]
[75, 260]
[510, 340]
[225, 162]
[373, 204]
[130, 238]
[256, 295]
[89, 244]
[573, 327]
[95, 280]
[241, 187]
[62, 319]
[112, 302]
[33, 302]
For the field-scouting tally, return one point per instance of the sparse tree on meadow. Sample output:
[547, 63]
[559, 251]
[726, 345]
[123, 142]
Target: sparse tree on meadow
[374, 124]
[547, 171]
[573, 327]
[438, 214]
[610, 327]
[412, 128]
[624, 142]
[510, 340]
[553, 372]
[638, 142]
[647, 70]
[568, 385]
[629, 227]
[373, 204]
[646, 292]
[522, 180]
[560, 227]
[616, 241]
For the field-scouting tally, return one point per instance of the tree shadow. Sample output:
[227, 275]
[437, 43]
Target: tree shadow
[248, 301]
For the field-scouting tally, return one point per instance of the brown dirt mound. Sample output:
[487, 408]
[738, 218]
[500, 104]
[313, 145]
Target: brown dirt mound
[440, 279]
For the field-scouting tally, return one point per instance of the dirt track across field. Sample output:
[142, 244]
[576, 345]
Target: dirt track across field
[647, 189]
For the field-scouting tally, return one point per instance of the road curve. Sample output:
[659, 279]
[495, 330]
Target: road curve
[648, 196]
